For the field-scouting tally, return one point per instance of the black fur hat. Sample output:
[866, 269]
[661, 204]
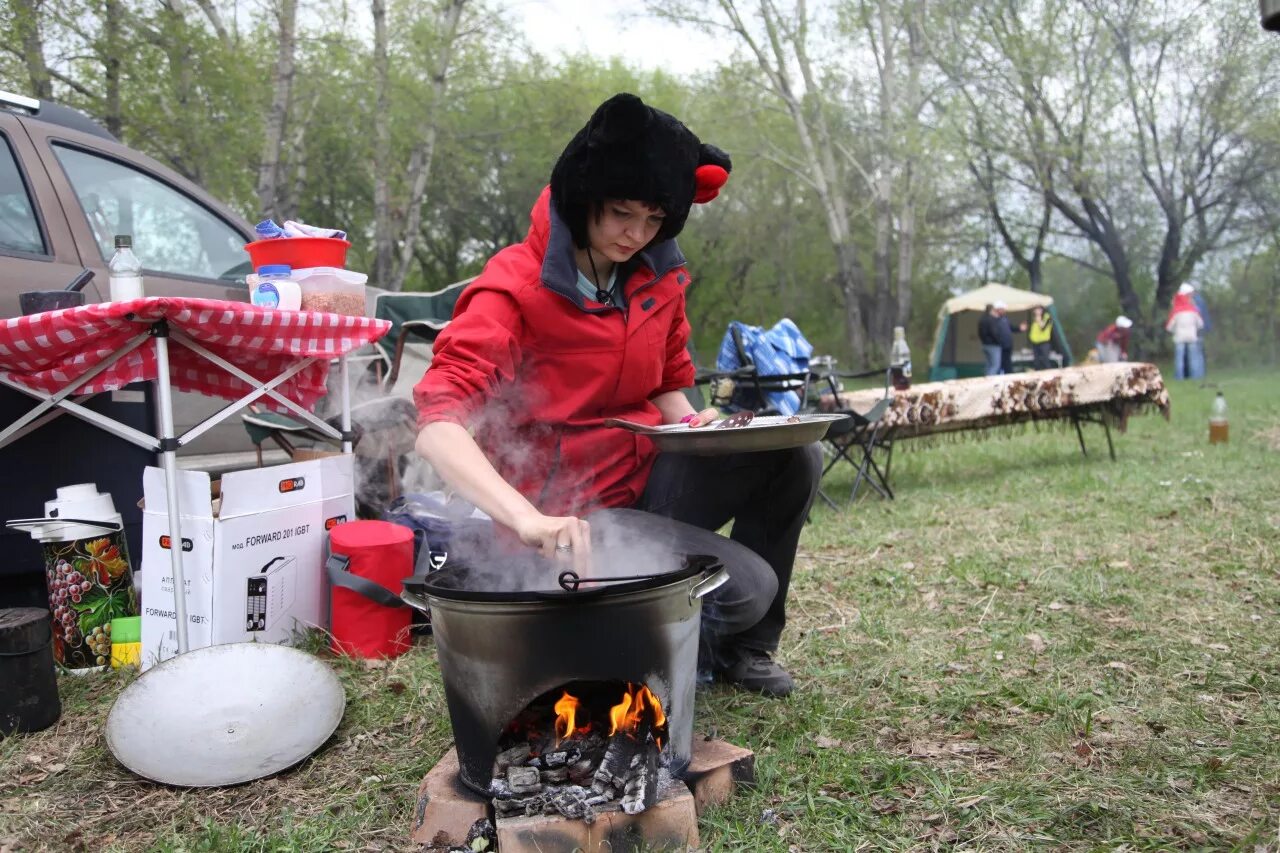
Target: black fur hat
[629, 150]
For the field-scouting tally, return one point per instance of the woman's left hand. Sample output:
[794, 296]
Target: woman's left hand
[706, 416]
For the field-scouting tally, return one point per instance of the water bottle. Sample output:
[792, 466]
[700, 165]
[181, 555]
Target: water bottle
[125, 271]
[1218, 427]
[900, 360]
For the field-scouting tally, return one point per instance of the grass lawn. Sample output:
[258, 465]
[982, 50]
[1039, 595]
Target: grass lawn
[1028, 649]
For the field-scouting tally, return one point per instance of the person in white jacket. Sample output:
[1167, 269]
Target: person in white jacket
[1186, 324]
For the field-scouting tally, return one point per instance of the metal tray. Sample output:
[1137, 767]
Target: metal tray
[768, 432]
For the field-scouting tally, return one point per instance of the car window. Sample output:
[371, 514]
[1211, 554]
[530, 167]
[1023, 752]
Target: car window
[19, 230]
[171, 232]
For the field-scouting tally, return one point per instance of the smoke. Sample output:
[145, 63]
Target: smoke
[624, 543]
[386, 423]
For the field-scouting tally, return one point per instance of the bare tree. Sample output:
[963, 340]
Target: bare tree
[1129, 117]
[30, 46]
[382, 236]
[273, 133]
[858, 138]
[440, 49]
[1192, 83]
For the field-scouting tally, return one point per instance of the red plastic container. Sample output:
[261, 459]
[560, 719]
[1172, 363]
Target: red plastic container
[299, 252]
[367, 617]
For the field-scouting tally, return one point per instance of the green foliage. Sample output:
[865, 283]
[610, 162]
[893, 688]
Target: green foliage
[196, 100]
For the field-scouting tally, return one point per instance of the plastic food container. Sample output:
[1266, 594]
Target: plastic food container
[299, 252]
[331, 289]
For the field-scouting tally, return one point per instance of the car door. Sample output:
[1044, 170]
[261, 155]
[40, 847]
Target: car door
[189, 244]
[37, 251]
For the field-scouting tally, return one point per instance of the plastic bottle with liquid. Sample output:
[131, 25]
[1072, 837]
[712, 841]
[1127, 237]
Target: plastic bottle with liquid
[1219, 430]
[125, 271]
[900, 360]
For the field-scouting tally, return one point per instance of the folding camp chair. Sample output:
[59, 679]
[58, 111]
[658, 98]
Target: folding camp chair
[861, 431]
[417, 319]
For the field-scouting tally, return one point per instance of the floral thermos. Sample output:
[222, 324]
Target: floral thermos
[90, 583]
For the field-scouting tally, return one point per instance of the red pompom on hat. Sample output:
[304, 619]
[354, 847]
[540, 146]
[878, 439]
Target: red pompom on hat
[709, 178]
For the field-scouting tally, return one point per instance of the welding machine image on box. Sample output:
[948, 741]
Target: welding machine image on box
[270, 593]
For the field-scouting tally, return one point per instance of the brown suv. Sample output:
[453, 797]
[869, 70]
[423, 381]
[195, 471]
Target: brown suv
[67, 187]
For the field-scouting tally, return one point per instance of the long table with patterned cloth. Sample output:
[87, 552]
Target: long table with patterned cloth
[231, 350]
[1104, 394]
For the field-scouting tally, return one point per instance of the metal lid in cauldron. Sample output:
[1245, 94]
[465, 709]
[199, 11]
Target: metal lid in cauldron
[631, 551]
[455, 582]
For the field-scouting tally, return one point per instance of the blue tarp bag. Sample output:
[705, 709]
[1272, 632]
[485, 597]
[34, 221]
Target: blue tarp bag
[438, 524]
[778, 351]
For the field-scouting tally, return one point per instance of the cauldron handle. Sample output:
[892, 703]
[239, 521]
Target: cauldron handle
[708, 582]
[417, 602]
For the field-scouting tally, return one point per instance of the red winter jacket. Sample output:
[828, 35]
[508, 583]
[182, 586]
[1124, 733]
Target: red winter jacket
[535, 368]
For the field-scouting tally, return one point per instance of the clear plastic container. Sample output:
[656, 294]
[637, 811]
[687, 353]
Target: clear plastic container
[331, 289]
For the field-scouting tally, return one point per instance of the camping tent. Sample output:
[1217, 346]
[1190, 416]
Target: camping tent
[956, 350]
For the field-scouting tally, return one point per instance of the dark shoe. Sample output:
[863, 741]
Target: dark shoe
[760, 673]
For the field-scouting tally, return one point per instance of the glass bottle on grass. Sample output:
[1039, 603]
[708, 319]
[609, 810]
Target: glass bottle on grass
[125, 271]
[1219, 430]
[900, 360]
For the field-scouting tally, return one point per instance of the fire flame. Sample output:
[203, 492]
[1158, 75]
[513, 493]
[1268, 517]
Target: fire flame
[638, 707]
[566, 713]
[627, 714]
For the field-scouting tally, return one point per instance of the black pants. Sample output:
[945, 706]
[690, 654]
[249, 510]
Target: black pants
[1041, 356]
[767, 495]
[1006, 360]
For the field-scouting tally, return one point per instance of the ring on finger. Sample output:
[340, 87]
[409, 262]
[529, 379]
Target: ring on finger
[563, 549]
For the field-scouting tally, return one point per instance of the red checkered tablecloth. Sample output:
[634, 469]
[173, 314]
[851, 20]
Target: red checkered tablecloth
[46, 352]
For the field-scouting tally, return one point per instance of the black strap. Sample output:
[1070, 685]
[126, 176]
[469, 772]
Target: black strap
[336, 568]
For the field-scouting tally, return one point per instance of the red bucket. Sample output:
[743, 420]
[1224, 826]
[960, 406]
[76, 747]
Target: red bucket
[368, 563]
[299, 252]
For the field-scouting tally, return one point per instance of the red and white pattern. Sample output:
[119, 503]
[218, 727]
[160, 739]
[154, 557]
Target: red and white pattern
[46, 352]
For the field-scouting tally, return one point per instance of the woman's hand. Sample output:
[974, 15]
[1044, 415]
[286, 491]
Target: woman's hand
[706, 416]
[557, 537]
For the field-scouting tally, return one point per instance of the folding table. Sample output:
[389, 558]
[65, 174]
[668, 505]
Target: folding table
[1103, 394]
[231, 350]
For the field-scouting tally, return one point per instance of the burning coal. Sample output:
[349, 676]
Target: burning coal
[582, 753]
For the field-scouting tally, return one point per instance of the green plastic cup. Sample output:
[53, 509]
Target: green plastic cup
[126, 641]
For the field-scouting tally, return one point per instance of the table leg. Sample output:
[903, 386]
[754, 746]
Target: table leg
[345, 379]
[1075, 419]
[169, 460]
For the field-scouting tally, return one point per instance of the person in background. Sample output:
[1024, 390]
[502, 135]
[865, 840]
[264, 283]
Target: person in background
[1004, 334]
[1040, 333]
[584, 321]
[1186, 325]
[990, 339]
[1113, 341]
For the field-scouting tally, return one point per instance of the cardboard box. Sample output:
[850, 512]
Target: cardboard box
[253, 553]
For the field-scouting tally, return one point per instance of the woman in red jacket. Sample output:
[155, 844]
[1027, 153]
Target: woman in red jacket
[583, 321]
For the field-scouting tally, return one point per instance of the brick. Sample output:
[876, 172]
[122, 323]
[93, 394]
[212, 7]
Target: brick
[446, 809]
[672, 824]
[715, 769]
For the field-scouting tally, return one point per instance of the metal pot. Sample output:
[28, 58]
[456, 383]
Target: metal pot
[1270, 14]
[499, 651]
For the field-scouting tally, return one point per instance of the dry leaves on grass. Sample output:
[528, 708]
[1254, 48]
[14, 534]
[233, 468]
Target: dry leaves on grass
[824, 742]
[1037, 643]
[1269, 437]
[952, 750]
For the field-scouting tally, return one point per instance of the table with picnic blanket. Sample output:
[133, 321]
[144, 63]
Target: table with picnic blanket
[1107, 394]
